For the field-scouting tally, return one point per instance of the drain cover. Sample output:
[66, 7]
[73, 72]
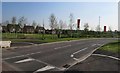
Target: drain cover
[66, 65]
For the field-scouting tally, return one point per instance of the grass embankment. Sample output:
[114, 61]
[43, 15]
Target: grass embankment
[35, 38]
[111, 47]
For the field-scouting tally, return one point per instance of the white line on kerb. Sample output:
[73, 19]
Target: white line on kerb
[21, 56]
[106, 56]
[25, 60]
[44, 68]
[62, 47]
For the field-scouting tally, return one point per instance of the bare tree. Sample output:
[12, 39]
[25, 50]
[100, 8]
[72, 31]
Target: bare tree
[110, 30]
[14, 20]
[53, 21]
[56, 26]
[34, 24]
[61, 24]
[98, 28]
[22, 21]
[86, 27]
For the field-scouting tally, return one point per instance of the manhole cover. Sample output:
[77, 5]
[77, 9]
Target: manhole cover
[66, 66]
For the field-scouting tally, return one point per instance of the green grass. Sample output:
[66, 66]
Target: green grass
[18, 37]
[42, 41]
[27, 36]
[112, 47]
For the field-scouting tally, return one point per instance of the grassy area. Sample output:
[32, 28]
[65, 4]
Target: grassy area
[20, 37]
[26, 36]
[37, 38]
[112, 47]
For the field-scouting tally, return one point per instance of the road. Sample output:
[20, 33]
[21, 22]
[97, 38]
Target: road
[52, 56]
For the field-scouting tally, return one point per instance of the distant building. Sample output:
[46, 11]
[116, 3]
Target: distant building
[13, 28]
[50, 31]
[39, 29]
[4, 29]
[28, 29]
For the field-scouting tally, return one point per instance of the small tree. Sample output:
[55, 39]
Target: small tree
[61, 24]
[86, 29]
[52, 20]
[71, 24]
[22, 21]
[53, 23]
[34, 24]
[110, 30]
[86, 26]
[98, 28]
[14, 20]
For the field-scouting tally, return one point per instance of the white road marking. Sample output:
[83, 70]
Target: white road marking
[107, 56]
[72, 55]
[45, 68]
[62, 47]
[99, 44]
[25, 60]
[80, 50]
[76, 59]
[94, 44]
[20, 56]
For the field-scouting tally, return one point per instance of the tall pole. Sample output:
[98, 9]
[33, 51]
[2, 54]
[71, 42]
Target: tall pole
[99, 23]
[43, 29]
[99, 26]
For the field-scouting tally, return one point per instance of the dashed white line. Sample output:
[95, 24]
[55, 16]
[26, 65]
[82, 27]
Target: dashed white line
[80, 51]
[93, 44]
[72, 55]
[96, 44]
[25, 60]
[62, 47]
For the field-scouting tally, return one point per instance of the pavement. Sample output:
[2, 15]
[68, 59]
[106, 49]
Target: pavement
[60, 56]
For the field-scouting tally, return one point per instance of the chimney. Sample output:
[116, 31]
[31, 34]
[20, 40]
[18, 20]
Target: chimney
[104, 28]
[78, 23]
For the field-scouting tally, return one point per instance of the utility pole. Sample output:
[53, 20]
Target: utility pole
[99, 23]
[43, 29]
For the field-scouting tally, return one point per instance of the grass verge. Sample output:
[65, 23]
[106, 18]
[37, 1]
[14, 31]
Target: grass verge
[111, 47]
[43, 41]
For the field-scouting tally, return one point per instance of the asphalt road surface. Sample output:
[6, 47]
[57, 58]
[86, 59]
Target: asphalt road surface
[51, 57]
